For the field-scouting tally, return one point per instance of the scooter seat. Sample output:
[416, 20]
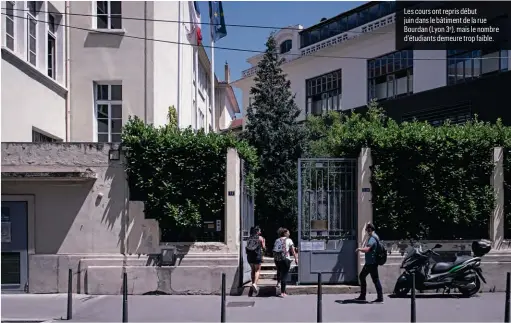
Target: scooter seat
[441, 267]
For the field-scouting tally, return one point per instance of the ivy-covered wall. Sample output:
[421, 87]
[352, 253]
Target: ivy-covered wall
[180, 175]
[428, 182]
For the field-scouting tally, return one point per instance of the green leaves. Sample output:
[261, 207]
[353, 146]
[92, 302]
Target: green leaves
[428, 182]
[179, 174]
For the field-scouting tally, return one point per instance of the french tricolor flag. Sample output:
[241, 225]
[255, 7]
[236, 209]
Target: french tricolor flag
[195, 14]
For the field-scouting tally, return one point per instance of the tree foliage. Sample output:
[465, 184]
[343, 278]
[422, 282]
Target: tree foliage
[427, 182]
[273, 130]
[179, 174]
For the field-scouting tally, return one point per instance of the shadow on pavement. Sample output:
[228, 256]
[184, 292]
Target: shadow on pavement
[351, 301]
[428, 296]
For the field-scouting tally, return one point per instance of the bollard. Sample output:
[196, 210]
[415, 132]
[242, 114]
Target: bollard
[412, 310]
[320, 299]
[124, 297]
[222, 304]
[70, 295]
[508, 291]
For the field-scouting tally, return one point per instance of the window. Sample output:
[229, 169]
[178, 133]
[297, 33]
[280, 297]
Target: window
[285, 46]
[323, 93]
[40, 137]
[201, 120]
[346, 22]
[390, 76]
[52, 39]
[108, 102]
[9, 25]
[463, 65]
[108, 15]
[32, 32]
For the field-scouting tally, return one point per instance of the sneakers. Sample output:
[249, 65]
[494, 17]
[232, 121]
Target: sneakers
[360, 299]
[255, 290]
[378, 301]
[277, 289]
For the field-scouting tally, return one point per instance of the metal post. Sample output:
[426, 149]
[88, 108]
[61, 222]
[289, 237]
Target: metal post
[320, 300]
[412, 316]
[124, 297]
[222, 304]
[70, 295]
[508, 291]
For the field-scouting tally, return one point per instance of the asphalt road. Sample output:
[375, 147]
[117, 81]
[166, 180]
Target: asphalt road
[488, 307]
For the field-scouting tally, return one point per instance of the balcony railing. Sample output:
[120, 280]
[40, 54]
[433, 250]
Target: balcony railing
[333, 41]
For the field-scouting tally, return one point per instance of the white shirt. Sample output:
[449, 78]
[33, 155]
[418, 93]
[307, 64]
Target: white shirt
[278, 246]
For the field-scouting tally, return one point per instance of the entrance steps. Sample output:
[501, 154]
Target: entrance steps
[268, 281]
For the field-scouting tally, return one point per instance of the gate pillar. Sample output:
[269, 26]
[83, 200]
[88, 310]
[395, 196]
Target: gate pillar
[365, 205]
[232, 201]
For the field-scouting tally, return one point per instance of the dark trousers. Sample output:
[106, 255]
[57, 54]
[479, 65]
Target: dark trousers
[283, 267]
[372, 270]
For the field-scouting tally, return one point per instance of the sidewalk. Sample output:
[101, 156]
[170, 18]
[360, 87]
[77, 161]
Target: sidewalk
[42, 307]
[487, 307]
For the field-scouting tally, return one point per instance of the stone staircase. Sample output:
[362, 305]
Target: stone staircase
[268, 281]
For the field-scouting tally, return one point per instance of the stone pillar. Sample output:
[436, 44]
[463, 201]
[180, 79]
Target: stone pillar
[232, 201]
[497, 217]
[364, 193]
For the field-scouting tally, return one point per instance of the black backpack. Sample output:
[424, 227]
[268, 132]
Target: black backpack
[381, 253]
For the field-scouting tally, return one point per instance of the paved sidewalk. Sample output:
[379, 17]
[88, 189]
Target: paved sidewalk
[487, 307]
[39, 307]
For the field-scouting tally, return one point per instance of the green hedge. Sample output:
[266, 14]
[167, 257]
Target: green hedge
[180, 175]
[428, 182]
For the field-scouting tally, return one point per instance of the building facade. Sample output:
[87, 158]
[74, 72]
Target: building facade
[72, 75]
[89, 65]
[344, 62]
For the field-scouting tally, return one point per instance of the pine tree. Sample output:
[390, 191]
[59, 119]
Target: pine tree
[273, 130]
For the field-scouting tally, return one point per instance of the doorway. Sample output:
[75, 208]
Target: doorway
[14, 246]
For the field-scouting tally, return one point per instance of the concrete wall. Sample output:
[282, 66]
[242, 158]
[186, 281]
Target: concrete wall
[30, 98]
[86, 223]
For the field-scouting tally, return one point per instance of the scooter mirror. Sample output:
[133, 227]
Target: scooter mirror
[438, 246]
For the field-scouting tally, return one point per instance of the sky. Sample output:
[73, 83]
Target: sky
[261, 13]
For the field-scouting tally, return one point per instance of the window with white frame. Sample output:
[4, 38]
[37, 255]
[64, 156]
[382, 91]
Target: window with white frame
[108, 108]
[108, 15]
[9, 25]
[52, 46]
[32, 32]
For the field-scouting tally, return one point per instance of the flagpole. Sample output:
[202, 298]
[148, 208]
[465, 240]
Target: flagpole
[213, 105]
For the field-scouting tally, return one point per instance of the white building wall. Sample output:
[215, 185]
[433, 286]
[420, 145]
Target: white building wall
[32, 100]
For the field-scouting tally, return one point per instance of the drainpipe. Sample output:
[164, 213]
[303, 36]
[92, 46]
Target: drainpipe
[145, 61]
[179, 65]
[67, 72]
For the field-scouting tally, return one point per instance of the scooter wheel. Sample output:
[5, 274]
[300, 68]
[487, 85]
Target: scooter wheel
[401, 291]
[471, 291]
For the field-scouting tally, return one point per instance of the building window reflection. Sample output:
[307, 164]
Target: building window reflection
[391, 75]
[466, 65]
[324, 93]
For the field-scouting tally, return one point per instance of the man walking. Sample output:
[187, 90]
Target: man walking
[370, 266]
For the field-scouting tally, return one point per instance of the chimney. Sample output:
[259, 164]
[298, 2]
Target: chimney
[227, 73]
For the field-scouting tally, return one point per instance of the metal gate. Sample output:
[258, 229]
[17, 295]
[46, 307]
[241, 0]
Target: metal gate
[327, 220]
[246, 222]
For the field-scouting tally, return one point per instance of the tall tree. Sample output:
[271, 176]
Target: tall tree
[272, 128]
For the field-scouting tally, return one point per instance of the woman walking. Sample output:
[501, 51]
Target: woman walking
[255, 247]
[282, 251]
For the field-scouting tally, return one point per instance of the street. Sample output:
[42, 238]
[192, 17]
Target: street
[488, 307]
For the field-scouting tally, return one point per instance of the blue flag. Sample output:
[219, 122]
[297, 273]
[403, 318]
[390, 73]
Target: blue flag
[216, 15]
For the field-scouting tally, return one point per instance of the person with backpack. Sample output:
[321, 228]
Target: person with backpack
[282, 251]
[373, 258]
[255, 250]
